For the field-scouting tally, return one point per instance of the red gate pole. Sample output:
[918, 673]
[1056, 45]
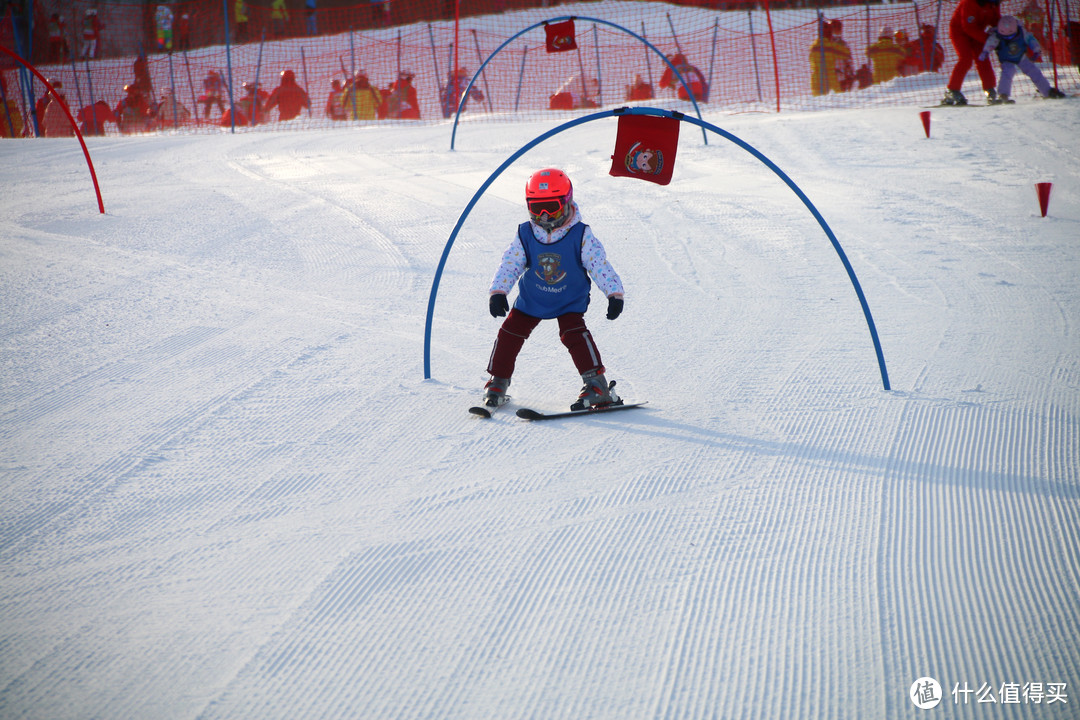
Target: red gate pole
[776, 64]
[74, 125]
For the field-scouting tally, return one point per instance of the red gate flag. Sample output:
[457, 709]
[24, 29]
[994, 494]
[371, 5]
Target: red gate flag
[645, 148]
[561, 37]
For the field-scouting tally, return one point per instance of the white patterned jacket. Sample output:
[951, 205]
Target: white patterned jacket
[593, 259]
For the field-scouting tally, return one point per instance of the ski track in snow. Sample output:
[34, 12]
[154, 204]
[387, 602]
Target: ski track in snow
[230, 495]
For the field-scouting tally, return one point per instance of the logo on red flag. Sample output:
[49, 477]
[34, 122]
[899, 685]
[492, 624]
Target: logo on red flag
[561, 37]
[645, 148]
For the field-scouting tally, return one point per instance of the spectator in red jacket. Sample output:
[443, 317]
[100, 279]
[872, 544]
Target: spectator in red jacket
[213, 88]
[401, 99]
[689, 73]
[46, 98]
[92, 118]
[288, 97]
[133, 113]
[967, 31]
[56, 122]
[639, 90]
[334, 109]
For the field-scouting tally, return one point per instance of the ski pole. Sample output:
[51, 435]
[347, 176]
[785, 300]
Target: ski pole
[483, 73]
[648, 57]
[674, 35]
[521, 77]
[303, 66]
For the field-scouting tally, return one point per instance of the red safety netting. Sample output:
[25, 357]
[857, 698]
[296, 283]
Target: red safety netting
[172, 69]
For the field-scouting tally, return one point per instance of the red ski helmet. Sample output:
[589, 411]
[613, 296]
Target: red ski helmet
[550, 197]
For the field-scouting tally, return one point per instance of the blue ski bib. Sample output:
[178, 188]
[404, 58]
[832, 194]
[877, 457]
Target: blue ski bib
[1012, 49]
[554, 282]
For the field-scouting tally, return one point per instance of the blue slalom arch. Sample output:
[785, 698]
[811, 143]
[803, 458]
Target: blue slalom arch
[657, 112]
[563, 18]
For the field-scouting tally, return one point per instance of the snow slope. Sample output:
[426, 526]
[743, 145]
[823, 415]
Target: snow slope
[230, 493]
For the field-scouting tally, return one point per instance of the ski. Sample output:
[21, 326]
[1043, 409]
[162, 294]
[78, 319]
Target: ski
[530, 414]
[486, 411]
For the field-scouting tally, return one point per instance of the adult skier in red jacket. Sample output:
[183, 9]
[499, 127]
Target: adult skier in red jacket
[967, 31]
[288, 97]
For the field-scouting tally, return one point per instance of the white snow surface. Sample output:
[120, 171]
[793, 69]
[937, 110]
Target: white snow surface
[229, 492]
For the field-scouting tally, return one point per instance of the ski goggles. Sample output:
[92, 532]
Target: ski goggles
[553, 207]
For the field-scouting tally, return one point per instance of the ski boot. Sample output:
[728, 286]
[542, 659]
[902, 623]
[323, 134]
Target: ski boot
[495, 392]
[597, 392]
[1004, 99]
[992, 97]
[1055, 93]
[954, 97]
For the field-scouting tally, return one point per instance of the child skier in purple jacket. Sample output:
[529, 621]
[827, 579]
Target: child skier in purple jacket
[1012, 42]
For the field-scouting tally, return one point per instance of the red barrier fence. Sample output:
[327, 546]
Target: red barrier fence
[185, 68]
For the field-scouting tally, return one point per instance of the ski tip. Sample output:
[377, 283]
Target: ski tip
[528, 414]
[480, 411]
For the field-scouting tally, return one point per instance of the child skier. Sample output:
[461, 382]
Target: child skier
[552, 259]
[1012, 43]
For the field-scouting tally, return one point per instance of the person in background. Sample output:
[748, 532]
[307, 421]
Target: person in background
[250, 105]
[924, 54]
[967, 31]
[639, 89]
[288, 97]
[92, 118]
[455, 88]
[56, 122]
[240, 20]
[1013, 43]
[141, 68]
[312, 20]
[279, 15]
[826, 60]
[334, 109]
[1033, 18]
[690, 74]
[183, 31]
[572, 96]
[380, 13]
[885, 56]
[359, 99]
[554, 258]
[91, 33]
[845, 70]
[213, 89]
[401, 101]
[171, 112]
[59, 51]
[163, 24]
[11, 120]
[46, 98]
[133, 112]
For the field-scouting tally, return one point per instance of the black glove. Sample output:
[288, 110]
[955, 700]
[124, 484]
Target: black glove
[497, 305]
[614, 307]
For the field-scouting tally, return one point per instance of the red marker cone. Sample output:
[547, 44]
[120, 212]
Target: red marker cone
[925, 115]
[1044, 196]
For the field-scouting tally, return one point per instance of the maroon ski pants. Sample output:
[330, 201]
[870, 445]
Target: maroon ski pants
[518, 326]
